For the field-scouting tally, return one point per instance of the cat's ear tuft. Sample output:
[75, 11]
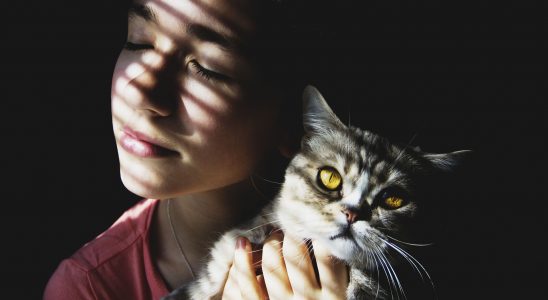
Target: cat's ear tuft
[447, 161]
[317, 115]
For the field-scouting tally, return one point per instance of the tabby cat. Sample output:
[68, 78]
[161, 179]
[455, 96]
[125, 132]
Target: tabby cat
[350, 189]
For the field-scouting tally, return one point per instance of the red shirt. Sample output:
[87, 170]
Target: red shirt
[115, 265]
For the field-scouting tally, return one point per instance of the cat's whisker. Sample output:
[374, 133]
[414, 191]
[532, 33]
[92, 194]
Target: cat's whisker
[392, 273]
[268, 214]
[373, 265]
[413, 265]
[388, 271]
[267, 180]
[262, 225]
[378, 276]
[406, 254]
[410, 244]
[260, 250]
[414, 262]
[301, 258]
[257, 189]
[403, 150]
[399, 285]
[349, 119]
[388, 276]
[411, 259]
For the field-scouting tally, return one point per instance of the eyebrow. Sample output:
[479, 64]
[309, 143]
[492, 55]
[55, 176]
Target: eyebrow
[199, 31]
[142, 11]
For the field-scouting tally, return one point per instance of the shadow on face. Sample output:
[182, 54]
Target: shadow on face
[185, 82]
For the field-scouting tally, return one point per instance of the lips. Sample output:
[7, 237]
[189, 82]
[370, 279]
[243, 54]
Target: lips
[141, 145]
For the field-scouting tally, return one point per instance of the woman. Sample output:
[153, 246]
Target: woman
[198, 105]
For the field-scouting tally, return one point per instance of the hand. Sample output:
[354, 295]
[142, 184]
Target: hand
[288, 272]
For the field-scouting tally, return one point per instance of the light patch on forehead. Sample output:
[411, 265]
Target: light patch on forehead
[354, 198]
[219, 16]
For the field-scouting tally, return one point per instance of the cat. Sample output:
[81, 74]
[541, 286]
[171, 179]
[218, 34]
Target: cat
[350, 189]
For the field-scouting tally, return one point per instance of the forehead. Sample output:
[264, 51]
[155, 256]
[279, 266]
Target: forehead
[230, 18]
[355, 151]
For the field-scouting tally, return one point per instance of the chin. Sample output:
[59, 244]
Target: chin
[147, 189]
[136, 187]
[343, 248]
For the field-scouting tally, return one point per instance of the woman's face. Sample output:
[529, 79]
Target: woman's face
[189, 110]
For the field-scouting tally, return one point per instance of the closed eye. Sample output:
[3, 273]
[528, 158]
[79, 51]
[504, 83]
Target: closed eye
[206, 73]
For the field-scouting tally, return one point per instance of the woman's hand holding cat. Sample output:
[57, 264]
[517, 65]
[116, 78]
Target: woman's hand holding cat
[288, 272]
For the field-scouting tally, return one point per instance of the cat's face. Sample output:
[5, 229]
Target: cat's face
[352, 189]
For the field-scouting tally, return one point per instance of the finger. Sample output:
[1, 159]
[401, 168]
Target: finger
[274, 271]
[333, 273]
[231, 290]
[299, 266]
[245, 272]
[260, 280]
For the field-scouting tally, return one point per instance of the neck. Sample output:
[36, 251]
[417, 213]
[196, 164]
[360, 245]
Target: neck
[198, 219]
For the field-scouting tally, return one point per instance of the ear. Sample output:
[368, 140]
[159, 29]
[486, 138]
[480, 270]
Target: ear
[288, 146]
[447, 161]
[317, 115]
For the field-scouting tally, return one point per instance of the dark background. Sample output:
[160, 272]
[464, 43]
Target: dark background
[457, 74]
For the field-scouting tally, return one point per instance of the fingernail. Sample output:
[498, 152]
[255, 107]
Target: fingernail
[241, 243]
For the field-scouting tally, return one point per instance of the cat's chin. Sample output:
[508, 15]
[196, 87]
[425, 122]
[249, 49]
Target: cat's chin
[344, 248]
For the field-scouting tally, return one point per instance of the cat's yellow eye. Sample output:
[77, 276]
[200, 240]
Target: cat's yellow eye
[329, 178]
[393, 202]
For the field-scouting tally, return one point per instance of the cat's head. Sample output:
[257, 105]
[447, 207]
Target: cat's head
[352, 189]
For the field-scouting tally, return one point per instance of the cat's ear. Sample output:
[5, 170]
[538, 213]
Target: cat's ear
[317, 115]
[447, 161]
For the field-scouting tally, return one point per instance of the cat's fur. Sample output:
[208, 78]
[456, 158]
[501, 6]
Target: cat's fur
[371, 167]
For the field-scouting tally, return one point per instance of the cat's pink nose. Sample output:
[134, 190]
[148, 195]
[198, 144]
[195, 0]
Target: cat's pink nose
[351, 216]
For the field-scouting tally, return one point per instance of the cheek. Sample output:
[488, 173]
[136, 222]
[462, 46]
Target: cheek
[206, 109]
[119, 73]
[229, 146]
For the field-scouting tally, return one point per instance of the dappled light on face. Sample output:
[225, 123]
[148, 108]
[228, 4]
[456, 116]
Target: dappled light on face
[199, 108]
[149, 61]
[130, 95]
[230, 15]
[202, 104]
[171, 86]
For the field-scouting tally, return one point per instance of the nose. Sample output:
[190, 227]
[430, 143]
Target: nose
[353, 215]
[158, 86]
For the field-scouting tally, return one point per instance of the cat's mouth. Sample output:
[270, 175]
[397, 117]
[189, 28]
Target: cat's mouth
[345, 233]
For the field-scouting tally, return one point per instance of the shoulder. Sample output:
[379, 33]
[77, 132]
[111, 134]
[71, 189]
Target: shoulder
[70, 281]
[129, 229]
[117, 259]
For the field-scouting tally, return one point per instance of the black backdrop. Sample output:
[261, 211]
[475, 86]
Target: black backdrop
[457, 74]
